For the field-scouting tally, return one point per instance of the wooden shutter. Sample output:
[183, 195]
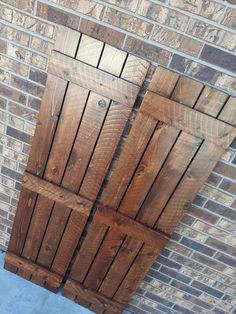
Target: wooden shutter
[90, 91]
[179, 134]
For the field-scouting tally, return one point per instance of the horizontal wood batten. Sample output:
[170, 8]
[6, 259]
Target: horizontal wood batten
[126, 225]
[22, 263]
[92, 78]
[57, 193]
[104, 215]
[99, 303]
[189, 120]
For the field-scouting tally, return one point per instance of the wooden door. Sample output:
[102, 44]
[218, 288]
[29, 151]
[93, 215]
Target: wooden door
[180, 132]
[90, 92]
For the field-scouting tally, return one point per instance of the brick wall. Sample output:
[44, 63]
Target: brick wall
[196, 272]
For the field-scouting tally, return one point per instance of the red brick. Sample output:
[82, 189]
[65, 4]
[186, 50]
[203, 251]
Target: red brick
[8, 92]
[147, 51]
[228, 186]
[22, 112]
[101, 32]
[13, 65]
[128, 23]
[57, 16]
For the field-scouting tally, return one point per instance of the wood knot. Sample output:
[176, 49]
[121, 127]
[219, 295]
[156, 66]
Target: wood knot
[102, 103]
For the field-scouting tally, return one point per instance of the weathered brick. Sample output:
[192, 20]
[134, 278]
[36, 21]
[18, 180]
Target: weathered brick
[218, 57]
[163, 15]
[24, 5]
[228, 186]
[32, 24]
[147, 51]
[8, 92]
[4, 76]
[226, 170]
[159, 276]
[216, 195]
[189, 232]
[130, 5]
[212, 34]
[3, 46]
[15, 121]
[227, 225]
[229, 19]
[185, 288]
[3, 103]
[207, 289]
[177, 41]
[214, 179]
[197, 301]
[224, 81]
[27, 56]
[13, 65]
[128, 22]
[41, 45]
[221, 246]
[38, 76]
[34, 103]
[179, 248]
[57, 16]
[218, 233]
[208, 261]
[6, 13]
[174, 274]
[24, 137]
[87, 7]
[101, 32]
[188, 220]
[192, 68]
[226, 259]
[27, 86]
[14, 35]
[11, 173]
[22, 112]
[228, 155]
[186, 262]
[158, 299]
[197, 246]
[220, 277]
[182, 309]
[9, 163]
[206, 8]
[199, 200]
[168, 263]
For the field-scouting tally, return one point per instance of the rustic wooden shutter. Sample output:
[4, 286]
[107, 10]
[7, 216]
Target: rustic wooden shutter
[179, 133]
[171, 149]
[89, 95]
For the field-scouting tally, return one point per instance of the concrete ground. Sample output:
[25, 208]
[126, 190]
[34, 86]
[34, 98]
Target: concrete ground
[19, 296]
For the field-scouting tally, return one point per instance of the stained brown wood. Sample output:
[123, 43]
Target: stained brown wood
[91, 78]
[110, 306]
[188, 120]
[58, 194]
[30, 267]
[103, 215]
[64, 170]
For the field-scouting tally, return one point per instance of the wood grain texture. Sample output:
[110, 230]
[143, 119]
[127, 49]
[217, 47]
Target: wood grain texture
[188, 120]
[89, 50]
[57, 194]
[93, 79]
[98, 300]
[163, 82]
[30, 267]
